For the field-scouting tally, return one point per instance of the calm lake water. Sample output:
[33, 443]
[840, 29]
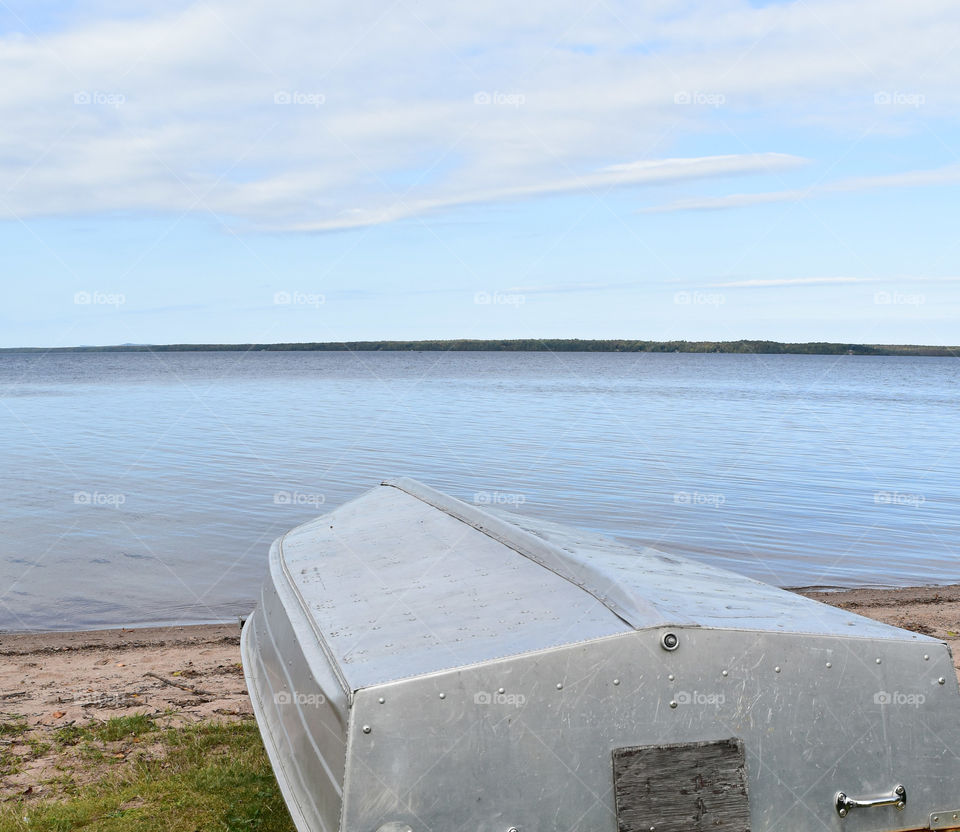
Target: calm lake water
[146, 488]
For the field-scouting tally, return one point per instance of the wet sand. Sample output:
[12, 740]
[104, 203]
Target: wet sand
[55, 681]
[102, 673]
[191, 674]
[933, 611]
[105, 673]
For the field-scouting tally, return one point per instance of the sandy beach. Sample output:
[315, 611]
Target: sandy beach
[192, 674]
[57, 681]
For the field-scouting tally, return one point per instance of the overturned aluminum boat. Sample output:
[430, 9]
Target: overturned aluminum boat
[417, 664]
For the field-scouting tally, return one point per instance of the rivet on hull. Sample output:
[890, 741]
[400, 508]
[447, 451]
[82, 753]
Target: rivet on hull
[776, 669]
[673, 703]
[367, 729]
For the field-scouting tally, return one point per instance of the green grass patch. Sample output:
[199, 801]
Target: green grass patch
[37, 747]
[206, 778]
[12, 729]
[71, 735]
[12, 725]
[113, 730]
[122, 727]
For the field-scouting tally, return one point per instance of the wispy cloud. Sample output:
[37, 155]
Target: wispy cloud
[292, 115]
[650, 172]
[948, 175]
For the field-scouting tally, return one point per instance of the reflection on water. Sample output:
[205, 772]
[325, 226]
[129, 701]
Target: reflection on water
[147, 488]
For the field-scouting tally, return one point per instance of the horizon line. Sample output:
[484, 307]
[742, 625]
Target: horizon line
[739, 346]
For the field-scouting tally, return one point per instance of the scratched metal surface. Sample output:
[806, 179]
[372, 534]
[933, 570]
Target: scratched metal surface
[300, 702]
[416, 662]
[647, 587]
[693, 593]
[816, 715]
[399, 587]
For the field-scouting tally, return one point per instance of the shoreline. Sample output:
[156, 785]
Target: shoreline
[176, 632]
[190, 675]
[906, 607]
[22, 642]
[742, 346]
[931, 610]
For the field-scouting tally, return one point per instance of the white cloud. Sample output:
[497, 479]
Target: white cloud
[635, 173]
[401, 109]
[948, 175]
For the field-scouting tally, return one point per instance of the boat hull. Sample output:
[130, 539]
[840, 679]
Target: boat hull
[414, 669]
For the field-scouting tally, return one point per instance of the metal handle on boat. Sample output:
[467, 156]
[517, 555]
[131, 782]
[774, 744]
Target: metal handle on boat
[845, 803]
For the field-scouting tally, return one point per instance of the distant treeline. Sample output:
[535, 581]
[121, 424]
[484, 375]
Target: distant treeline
[533, 345]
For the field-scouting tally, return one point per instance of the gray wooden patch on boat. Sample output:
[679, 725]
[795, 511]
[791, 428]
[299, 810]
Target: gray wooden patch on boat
[686, 787]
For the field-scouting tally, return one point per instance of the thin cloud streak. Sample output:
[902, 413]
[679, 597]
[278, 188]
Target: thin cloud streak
[635, 173]
[948, 175]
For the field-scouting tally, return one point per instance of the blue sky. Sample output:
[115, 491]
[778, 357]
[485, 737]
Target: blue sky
[293, 171]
